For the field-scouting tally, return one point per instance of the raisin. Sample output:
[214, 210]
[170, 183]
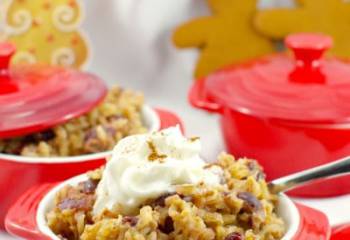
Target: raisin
[161, 200]
[38, 137]
[251, 203]
[89, 186]
[45, 136]
[111, 131]
[90, 134]
[29, 139]
[234, 236]
[77, 204]
[93, 144]
[256, 170]
[168, 225]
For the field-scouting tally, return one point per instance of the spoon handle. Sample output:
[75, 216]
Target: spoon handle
[331, 170]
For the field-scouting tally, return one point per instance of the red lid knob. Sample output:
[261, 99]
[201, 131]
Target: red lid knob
[308, 49]
[6, 52]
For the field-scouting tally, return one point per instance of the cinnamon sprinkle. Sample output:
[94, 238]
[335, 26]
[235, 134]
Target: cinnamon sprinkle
[154, 155]
[193, 139]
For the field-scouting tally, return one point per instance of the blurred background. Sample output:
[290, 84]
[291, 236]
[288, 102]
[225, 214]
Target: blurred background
[129, 44]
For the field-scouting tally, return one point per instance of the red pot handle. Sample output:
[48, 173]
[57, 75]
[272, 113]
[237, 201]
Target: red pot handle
[341, 232]
[169, 119]
[197, 97]
[21, 218]
[314, 225]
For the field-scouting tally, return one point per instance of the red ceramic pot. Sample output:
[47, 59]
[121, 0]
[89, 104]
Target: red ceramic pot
[18, 174]
[26, 218]
[290, 115]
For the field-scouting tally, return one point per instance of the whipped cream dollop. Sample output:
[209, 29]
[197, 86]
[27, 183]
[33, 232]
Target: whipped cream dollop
[145, 167]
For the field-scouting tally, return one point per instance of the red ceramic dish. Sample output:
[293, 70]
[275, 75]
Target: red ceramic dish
[17, 173]
[26, 218]
[289, 115]
[282, 147]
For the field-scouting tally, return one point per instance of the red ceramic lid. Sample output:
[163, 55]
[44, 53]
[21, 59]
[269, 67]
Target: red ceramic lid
[34, 97]
[305, 88]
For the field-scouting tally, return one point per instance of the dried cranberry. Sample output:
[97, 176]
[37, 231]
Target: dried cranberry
[161, 200]
[38, 137]
[89, 186]
[234, 236]
[90, 134]
[251, 202]
[45, 136]
[77, 204]
[29, 139]
[131, 220]
[168, 225]
[111, 131]
[93, 144]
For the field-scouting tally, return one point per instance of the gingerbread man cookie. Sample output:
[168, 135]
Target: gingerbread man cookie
[46, 31]
[331, 17]
[226, 37]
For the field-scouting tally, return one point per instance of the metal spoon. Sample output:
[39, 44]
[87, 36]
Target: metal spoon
[331, 170]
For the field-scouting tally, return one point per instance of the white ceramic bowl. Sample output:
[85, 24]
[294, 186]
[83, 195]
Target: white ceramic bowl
[286, 209]
[150, 119]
